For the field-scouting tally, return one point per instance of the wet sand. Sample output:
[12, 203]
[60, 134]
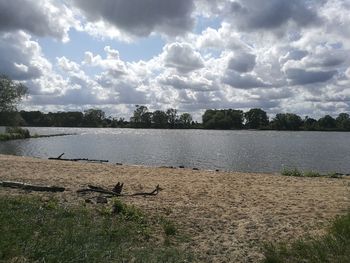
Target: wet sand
[227, 215]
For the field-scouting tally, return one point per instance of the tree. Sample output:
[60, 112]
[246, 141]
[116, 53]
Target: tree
[287, 121]
[185, 120]
[159, 119]
[172, 117]
[11, 94]
[343, 121]
[94, 118]
[327, 123]
[310, 124]
[256, 118]
[223, 119]
[142, 118]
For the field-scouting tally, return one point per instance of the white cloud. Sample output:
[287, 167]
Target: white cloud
[182, 57]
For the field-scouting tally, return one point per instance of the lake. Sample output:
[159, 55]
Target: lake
[246, 151]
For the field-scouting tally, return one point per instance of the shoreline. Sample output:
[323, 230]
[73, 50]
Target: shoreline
[227, 215]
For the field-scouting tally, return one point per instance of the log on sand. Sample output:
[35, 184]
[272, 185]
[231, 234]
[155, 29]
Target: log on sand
[31, 187]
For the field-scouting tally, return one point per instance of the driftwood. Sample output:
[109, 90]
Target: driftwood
[59, 158]
[116, 191]
[30, 187]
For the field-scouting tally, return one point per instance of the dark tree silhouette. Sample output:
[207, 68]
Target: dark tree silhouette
[256, 118]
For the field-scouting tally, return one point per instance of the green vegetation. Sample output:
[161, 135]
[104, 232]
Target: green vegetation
[170, 119]
[297, 173]
[332, 247]
[14, 133]
[34, 231]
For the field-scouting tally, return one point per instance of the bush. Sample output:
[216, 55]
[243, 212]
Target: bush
[24, 133]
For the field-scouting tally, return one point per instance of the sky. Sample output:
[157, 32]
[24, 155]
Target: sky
[192, 55]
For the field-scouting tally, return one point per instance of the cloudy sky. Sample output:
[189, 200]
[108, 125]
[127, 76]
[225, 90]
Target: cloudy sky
[278, 55]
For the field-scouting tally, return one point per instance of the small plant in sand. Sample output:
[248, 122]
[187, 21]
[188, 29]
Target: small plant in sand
[296, 173]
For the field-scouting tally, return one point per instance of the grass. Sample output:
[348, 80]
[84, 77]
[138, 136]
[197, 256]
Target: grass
[297, 173]
[33, 231]
[332, 247]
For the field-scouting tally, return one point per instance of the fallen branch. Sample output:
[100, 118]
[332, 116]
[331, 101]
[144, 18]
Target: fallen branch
[30, 187]
[77, 159]
[117, 191]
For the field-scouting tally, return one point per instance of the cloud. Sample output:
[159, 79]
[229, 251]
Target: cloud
[269, 15]
[303, 77]
[112, 62]
[21, 57]
[242, 62]
[243, 81]
[182, 57]
[38, 17]
[141, 18]
[196, 83]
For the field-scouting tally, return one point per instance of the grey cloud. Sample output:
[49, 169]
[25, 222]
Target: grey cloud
[181, 83]
[330, 58]
[242, 62]
[33, 17]
[244, 81]
[302, 77]
[295, 54]
[124, 90]
[257, 14]
[182, 57]
[141, 17]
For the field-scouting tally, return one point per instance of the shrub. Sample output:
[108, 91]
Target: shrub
[24, 133]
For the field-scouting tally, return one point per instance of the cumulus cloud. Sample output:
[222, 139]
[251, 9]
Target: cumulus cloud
[243, 81]
[255, 14]
[112, 62]
[182, 57]
[242, 62]
[21, 57]
[38, 17]
[197, 83]
[236, 54]
[141, 18]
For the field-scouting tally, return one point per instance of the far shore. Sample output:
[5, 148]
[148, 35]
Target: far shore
[227, 215]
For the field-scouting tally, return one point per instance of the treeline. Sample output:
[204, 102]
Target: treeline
[225, 119]
[258, 119]
[142, 118]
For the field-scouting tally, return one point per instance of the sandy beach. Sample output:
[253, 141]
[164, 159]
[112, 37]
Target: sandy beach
[227, 215]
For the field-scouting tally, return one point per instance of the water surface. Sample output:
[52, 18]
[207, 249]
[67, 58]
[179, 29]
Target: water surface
[247, 151]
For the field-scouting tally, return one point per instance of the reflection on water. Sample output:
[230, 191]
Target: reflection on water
[249, 151]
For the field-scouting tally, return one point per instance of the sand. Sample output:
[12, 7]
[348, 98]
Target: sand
[227, 215]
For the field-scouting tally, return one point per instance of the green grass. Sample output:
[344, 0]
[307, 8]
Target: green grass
[33, 231]
[296, 173]
[332, 247]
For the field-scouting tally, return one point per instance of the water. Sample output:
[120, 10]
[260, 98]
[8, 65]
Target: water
[246, 151]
